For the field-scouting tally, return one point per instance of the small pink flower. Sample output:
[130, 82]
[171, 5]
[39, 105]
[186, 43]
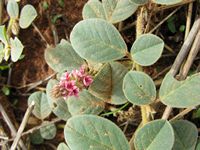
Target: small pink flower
[70, 85]
[78, 73]
[72, 82]
[75, 92]
[82, 70]
[62, 83]
[65, 76]
[87, 80]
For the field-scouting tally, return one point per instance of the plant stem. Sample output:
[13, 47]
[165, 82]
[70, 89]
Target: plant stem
[144, 113]
[140, 28]
[140, 22]
[32, 130]
[138, 67]
[188, 22]
[1, 11]
[11, 126]
[40, 34]
[181, 56]
[145, 119]
[22, 126]
[182, 113]
[112, 112]
[9, 28]
[165, 19]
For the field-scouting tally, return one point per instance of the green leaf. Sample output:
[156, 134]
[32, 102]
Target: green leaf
[180, 94]
[196, 114]
[118, 10]
[48, 132]
[182, 28]
[56, 17]
[63, 57]
[167, 2]
[61, 3]
[139, 88]
[171, 24]
[16, 49]
[86, 103]
[45, 5]
[62, 146]
[139, 2]
[156, 135]
[6, 90]
[186, 134]
[107, 84]
[41, 109]
[111, 10]
[58, 105]
[92, 132]
[13, 9]
[3, 35]
[147, 49]
[28, 14]
[93, 9]
[198, 145]
[36, 137]
[98, 41]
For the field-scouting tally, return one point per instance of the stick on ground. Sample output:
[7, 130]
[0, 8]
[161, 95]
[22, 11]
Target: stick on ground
[11, 126]
[22, 126]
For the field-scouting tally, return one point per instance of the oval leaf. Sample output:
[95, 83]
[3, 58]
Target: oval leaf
[28, 14]
[98, 41]
[36, 137]
[180, 94]
[186, 134]
[111, 10]
[13, 9]
[139, 2]
[93, 9]
[62, 146]
[86, 103]
[93, 132]
[42, 108]
[139, 88]
[107, 84]
[16, 49]
[63, 57]
[58, 105]
[167, 2]
[147, 49]
[118, 10]
[48, 132]
[156, 135]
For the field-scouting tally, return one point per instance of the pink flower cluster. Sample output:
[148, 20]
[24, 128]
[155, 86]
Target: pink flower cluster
[72, 83]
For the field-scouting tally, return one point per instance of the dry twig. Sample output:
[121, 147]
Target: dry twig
[165, 19]
[181, 56]
[11, 126]
[23, 125]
